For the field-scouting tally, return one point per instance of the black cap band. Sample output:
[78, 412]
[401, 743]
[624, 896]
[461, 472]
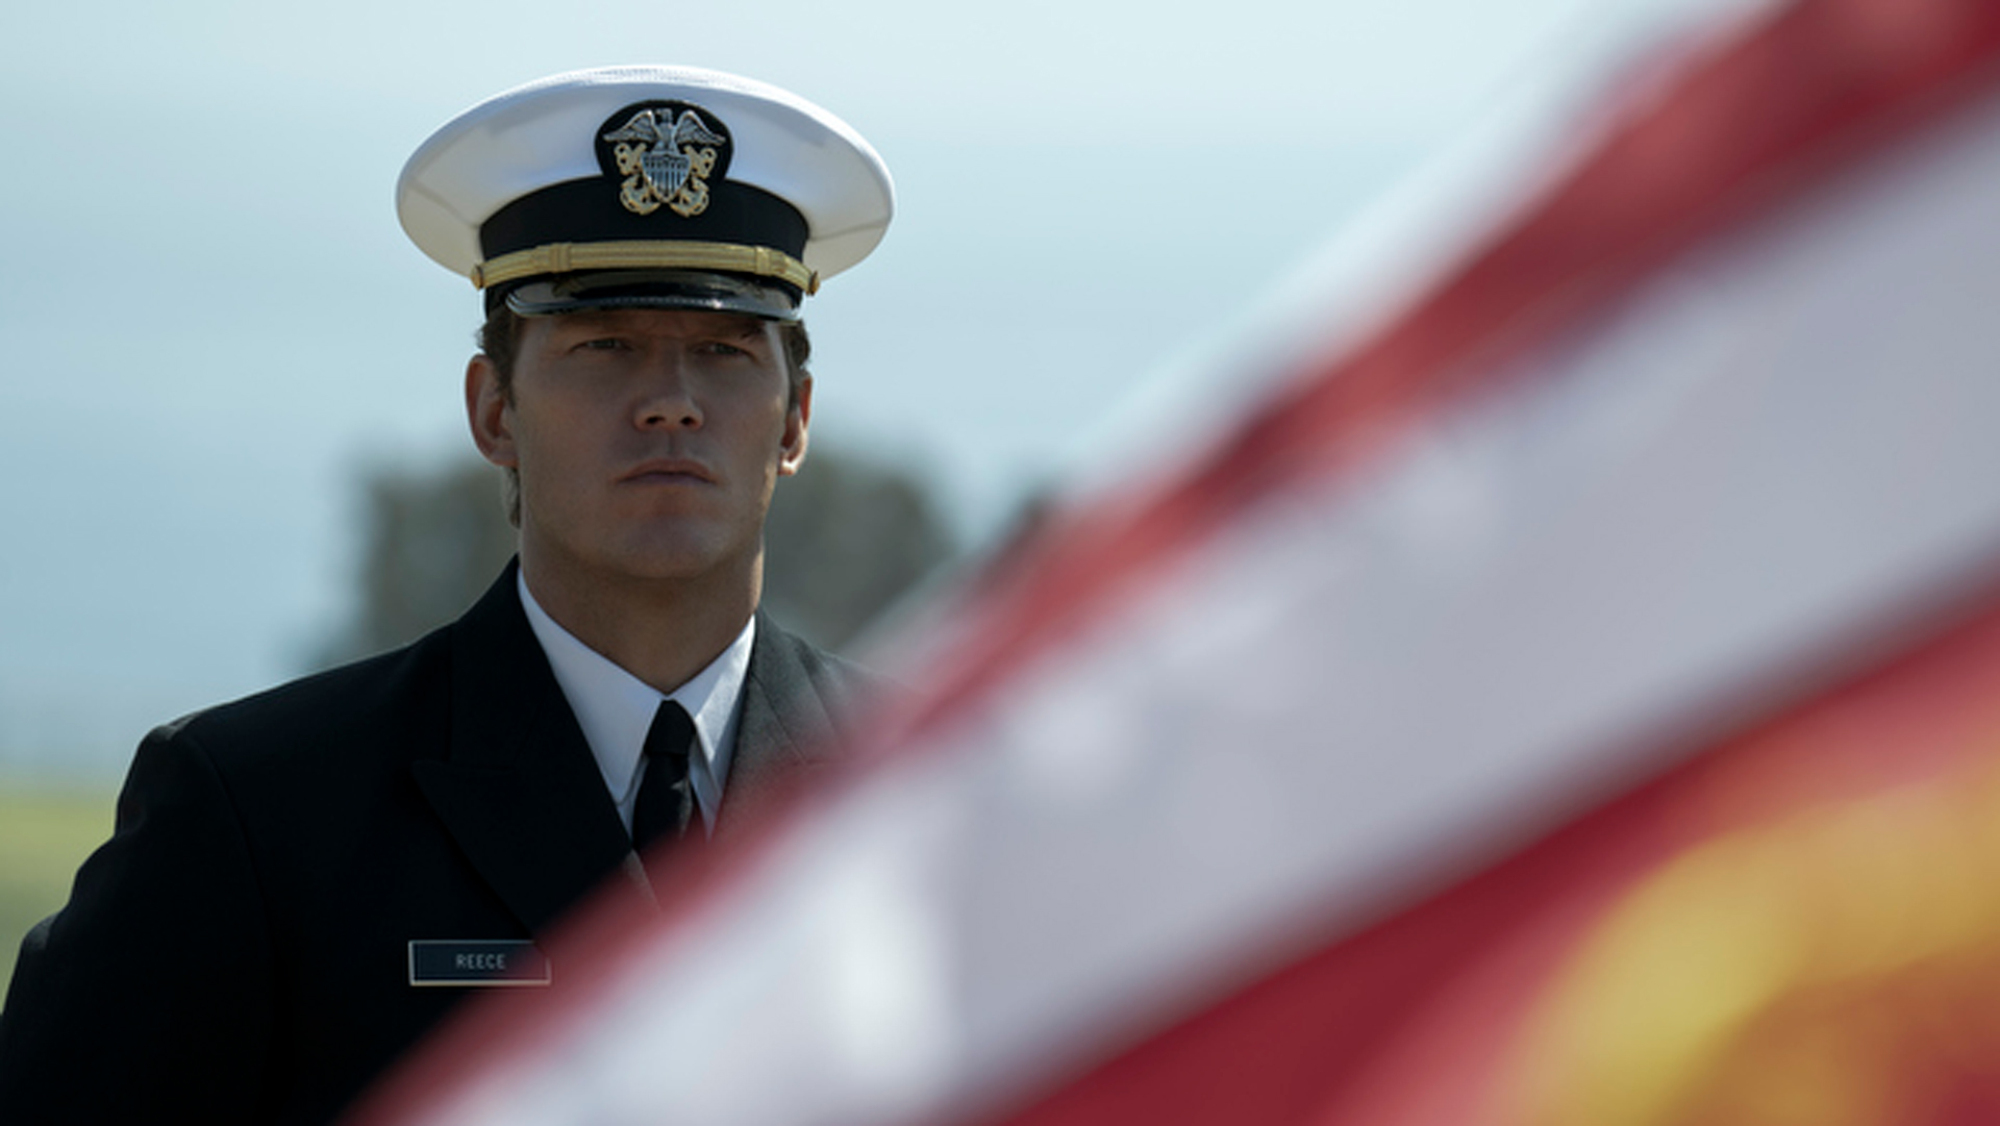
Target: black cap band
[588, 211]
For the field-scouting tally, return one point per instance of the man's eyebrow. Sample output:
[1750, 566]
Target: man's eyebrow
[587, 320]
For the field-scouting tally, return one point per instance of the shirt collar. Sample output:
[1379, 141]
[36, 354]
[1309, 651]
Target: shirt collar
[615, 708]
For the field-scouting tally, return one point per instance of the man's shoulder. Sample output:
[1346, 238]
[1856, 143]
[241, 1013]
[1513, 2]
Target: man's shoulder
[377, 701]
[395, 701]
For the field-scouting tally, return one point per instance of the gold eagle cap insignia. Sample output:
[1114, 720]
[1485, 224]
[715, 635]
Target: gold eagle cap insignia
[665, 161]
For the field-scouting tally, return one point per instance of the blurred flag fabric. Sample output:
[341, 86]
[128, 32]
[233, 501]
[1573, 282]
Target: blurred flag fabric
[1574, 699]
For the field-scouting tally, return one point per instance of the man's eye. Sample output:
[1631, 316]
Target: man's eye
[603, 344]
[721, 348]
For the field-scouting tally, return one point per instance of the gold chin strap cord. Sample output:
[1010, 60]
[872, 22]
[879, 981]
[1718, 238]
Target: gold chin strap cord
[722, 257]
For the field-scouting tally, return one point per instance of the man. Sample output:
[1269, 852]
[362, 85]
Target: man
[303, 882]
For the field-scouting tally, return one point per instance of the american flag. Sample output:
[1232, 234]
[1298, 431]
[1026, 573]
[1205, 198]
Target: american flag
[1567, 696]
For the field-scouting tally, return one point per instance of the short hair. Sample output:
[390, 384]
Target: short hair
[500, 339]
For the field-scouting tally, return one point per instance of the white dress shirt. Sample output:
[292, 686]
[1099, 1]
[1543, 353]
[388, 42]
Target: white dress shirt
[615, 709]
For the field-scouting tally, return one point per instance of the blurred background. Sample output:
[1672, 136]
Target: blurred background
[232, 447]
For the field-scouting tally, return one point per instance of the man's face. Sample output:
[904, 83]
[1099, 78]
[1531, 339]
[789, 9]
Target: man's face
[647, 440]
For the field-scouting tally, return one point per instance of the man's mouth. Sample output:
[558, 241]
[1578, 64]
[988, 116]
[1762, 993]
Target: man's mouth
[670, 469]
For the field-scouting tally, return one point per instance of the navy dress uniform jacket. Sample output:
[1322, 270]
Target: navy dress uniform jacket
[238, 951]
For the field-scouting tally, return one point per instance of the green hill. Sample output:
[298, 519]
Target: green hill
[45, 832]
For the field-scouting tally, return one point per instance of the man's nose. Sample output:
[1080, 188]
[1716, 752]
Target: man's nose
[668, 398]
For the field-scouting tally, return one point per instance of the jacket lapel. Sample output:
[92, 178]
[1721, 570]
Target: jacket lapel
[519, 790]
[786, 726]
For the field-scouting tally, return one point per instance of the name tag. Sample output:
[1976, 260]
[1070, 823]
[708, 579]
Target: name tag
[477, 961]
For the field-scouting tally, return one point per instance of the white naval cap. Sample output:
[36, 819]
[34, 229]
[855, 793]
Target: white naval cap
[646, 186]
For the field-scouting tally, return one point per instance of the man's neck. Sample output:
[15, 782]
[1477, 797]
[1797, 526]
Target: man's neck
[662, 631]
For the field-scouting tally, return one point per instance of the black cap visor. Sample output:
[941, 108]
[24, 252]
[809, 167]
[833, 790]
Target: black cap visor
[654, 289]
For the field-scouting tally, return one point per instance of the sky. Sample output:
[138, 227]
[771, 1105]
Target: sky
[212, 324]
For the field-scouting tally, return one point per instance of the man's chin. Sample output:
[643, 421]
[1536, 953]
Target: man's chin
[680, 558]
[679, 550]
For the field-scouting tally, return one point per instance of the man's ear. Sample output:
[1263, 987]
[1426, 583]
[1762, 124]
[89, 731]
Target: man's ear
[488, 413]
[792, 451]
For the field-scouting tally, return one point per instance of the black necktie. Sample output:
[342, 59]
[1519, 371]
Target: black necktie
[666, 798]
